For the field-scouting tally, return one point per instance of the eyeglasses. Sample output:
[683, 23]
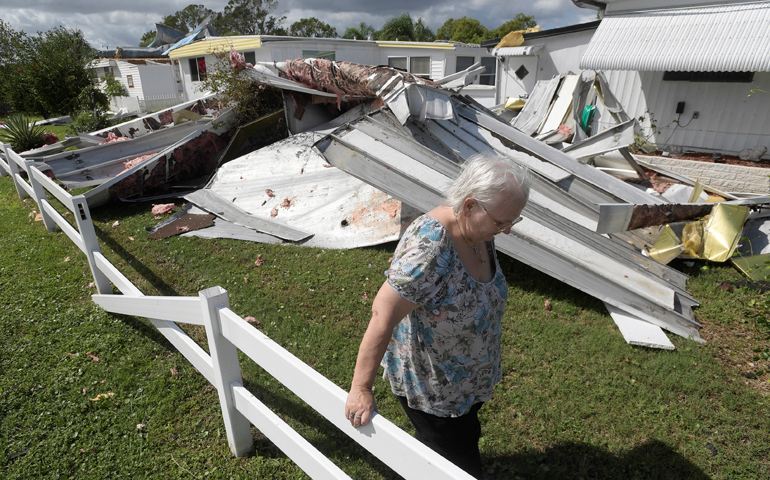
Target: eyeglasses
[502, 225]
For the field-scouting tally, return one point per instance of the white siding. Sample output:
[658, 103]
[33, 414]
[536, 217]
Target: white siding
[363, 53]
[437, 68]
[157, 80]
[192, 90]
[560, 54]
[124, 69]
[729, 119]
[508, 84]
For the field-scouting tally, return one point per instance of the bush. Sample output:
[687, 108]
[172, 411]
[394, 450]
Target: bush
[249, 99]
[89, 122]
[21, 133]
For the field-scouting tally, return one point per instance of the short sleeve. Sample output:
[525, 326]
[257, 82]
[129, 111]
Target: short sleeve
[422, 263]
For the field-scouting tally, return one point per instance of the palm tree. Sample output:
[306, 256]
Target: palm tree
[363, 32]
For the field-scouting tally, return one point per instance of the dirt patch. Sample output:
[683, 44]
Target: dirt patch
[734, 347]
[707, 158]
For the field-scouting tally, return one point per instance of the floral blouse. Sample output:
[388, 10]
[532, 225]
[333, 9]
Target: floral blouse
[445, 355]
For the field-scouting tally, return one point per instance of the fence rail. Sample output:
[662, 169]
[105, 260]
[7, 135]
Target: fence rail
[227, 333]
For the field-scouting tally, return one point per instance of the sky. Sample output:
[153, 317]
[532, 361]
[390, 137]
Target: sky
[115, 23]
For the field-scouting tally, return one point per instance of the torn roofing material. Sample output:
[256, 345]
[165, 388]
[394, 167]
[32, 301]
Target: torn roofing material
[193, 156]
[287, 185]
[95, 165]
[418, 161]
[348, 79]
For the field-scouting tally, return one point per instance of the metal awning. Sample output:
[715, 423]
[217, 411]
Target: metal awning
[726, 38]
[521, 51]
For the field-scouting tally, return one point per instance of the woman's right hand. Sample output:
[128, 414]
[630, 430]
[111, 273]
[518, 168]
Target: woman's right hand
[360, 406]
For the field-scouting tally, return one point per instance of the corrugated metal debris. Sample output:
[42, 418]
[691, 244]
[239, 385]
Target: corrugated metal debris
[410, 144]
[397, 141]
[286, 190]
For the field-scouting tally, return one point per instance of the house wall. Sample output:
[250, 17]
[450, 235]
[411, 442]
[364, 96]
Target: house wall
[560, 54]
[443, 61]
[348, 51]
[729, 120]
[511, 86]
[157, 80]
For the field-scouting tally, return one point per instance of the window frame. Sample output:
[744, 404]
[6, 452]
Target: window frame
[458, 57]
[322, 54]
[130, 81]
[409, 67]
[195, 74]
[485, 76]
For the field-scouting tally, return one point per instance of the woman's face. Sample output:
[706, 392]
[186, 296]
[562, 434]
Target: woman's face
[495, 219]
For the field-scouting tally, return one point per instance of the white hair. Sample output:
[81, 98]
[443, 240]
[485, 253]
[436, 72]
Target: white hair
[489, 178]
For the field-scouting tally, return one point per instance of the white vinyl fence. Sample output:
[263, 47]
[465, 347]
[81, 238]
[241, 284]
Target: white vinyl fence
[227, 333]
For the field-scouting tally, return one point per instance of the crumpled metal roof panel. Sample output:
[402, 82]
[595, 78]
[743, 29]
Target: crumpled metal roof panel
[731, 38]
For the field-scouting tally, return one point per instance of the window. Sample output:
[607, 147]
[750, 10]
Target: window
[108, 71]
[488, 77]
[727, 77]
[198, 69]
[398, 62]
[414, 65]
[130, 80]
[250, 57]
[463, 63]
[419, 65]
[328, 55]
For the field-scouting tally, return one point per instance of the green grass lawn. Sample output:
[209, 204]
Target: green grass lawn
[575, 402]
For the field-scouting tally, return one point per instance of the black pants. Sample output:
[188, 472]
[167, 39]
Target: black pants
[455, 438]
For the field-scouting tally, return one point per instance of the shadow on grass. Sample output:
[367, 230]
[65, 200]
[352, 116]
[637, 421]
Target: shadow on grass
[327, 438]
[520, 275]
[573, 461]
[143, 270]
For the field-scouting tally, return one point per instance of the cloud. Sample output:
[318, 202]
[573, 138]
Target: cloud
[112, 23]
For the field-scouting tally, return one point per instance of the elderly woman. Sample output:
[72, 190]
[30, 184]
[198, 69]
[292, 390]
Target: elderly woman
[435, 324]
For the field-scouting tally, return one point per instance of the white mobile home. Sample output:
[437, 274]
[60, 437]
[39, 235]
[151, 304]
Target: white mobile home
[145, 80]
[689, 65]
[430, 59]
[543, 55]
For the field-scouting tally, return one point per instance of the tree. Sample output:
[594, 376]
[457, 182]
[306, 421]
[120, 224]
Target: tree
[519, 22]
[251, 17]
[312, 27]
[463, 30]
[188, 18]
[61, 72]
[362, 32]
[48, 74]
[147, 39]
[13, 46]
[404, 28]
[113, 88]
[184, 20]
[423, 33]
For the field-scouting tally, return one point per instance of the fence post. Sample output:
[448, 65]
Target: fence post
[90, 242]
[3, 172]
[14, 170]
[227, 369]
[39, 192]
